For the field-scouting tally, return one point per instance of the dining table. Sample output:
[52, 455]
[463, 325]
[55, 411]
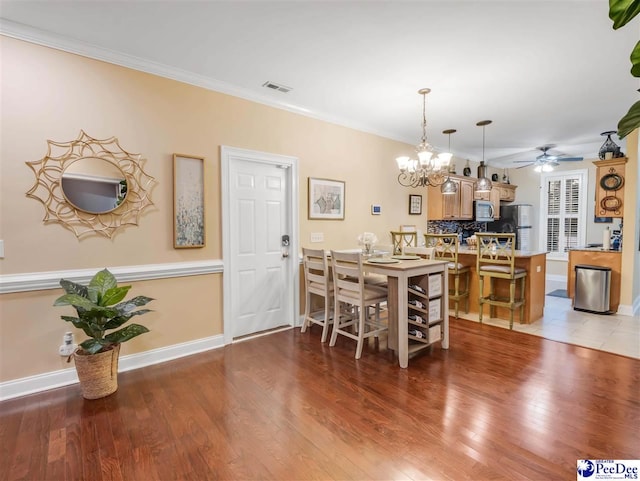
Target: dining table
[399, 272]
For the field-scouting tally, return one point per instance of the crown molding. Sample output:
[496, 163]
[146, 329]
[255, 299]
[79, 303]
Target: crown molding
[37, 36]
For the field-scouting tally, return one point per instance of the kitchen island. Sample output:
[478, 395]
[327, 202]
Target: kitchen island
[534, 262]
[596, 256]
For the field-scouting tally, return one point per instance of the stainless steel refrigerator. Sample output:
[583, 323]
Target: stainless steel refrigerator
[515, 218]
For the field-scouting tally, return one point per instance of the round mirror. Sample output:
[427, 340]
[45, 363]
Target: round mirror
[94, 185]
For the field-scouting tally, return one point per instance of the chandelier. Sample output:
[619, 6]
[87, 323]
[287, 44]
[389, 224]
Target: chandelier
[430, 168]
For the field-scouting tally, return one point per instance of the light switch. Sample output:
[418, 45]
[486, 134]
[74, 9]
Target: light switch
[317, 237]
[1, 249]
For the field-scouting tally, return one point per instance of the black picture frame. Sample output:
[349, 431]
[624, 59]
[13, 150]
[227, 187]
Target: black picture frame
[415, 204]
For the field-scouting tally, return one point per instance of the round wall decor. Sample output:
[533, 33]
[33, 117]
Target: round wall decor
[611, 182]
[611, 203]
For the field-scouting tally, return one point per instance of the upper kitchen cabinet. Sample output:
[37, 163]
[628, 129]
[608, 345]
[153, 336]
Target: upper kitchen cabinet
[499, 192]
[507, 192]
[458, 206]
[610, 177]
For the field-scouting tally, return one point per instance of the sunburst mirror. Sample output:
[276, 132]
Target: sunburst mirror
[90, 185]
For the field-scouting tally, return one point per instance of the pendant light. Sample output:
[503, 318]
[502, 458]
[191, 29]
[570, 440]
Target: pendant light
[483, 184]
[449, 187]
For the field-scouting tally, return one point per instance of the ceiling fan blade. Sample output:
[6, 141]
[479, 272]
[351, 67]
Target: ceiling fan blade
[523, 166]
[570, 159]
[523, 162]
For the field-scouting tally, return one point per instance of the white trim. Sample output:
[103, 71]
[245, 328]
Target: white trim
[64, 377]
[583, 175]
[38, 281]
[226, 157]
[556, 278]
[628, 310]
[59, 42]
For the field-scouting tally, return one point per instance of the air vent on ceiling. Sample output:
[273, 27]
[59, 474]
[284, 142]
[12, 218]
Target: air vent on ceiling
[274, 86]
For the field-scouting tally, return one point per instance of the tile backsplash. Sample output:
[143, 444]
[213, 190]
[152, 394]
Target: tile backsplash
[457, 226]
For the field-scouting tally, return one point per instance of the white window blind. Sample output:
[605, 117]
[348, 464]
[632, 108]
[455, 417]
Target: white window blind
[563, 201]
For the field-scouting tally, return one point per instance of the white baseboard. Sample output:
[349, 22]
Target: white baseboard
[556, 278]
[629, 310]
[64, 377]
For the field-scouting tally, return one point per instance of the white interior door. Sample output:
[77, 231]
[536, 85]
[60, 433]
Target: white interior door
[259, 277]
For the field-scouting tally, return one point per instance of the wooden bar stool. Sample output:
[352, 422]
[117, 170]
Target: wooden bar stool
[351, 290]
[317, 280]
[496, 260]
[446, 248]
[402, 239]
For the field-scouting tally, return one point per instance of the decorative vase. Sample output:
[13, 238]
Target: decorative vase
[467, 170]
[98, 373]
[609, 149]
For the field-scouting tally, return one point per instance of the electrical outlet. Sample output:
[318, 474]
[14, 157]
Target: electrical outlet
[317, 237]
[538, 268]
[1, 249]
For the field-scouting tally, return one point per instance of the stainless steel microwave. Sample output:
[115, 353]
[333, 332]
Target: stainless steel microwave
[483, 211]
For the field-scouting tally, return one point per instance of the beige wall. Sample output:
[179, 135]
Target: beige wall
[49, 94]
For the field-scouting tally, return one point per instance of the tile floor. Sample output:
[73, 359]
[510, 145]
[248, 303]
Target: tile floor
[612, 333]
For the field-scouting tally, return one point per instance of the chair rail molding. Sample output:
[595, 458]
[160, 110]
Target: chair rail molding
[39, 281]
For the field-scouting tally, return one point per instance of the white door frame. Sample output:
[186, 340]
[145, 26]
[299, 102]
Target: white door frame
[227, 156]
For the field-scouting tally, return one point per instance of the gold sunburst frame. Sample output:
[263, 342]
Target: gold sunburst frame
[48, 189]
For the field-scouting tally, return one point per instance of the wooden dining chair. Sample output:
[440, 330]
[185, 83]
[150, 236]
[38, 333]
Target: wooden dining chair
[446, 248]
[317, 280]
[407, 236]
[496, 260]
[352, 300]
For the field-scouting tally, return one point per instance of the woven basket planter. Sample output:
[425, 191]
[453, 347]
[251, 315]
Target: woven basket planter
[98, 373]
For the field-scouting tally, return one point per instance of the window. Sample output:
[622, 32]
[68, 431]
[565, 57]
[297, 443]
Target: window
[563, 217]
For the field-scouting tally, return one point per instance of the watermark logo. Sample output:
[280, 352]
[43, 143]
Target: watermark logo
[586, 468]
[608, 469]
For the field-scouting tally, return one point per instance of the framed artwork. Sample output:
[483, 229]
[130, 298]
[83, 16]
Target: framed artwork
[601, 220]
[376, 209]
[188, 201]
[415, 204]
[326, 199]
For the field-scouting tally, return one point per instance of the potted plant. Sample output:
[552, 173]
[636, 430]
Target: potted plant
[100, 308]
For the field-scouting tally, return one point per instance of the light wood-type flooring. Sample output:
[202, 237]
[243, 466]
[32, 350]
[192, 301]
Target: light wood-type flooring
[498, 405]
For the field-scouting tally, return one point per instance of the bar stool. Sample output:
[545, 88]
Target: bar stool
[351, 290]
[402, 239]
[317, 280]
[446, 248]
[496, 260]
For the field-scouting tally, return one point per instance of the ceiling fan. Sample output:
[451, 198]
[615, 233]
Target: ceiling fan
[547, 162]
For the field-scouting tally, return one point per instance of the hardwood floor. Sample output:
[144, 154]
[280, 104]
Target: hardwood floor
[498, 405]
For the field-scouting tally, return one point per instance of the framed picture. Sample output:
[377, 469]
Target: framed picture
[376, 209]
[601, 220]
[415, 204]
[326, 199]
[188, 201]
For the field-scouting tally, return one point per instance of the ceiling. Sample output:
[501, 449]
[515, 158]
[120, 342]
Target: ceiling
[543, 71]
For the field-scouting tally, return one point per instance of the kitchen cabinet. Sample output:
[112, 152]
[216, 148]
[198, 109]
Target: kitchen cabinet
[610, 187]
[458, 206]
[507, 192]
[499, 192]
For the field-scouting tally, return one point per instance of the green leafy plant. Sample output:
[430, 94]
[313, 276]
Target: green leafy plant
[100, 309]
[622, 12]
